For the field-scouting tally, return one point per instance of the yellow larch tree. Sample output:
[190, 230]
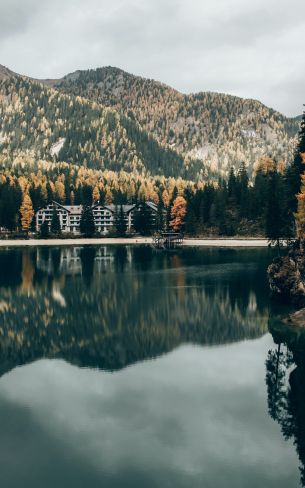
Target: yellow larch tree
[95, 195]
[108, 196]
[60, 195]
[26, 212]
[178, 213]
[165, 198]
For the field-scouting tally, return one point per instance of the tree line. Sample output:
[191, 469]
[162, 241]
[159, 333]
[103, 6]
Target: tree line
[272, 205]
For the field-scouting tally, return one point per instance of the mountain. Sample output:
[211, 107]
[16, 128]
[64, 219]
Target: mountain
[221, 130]
[43, 123]
[109, 119]
[6, 73]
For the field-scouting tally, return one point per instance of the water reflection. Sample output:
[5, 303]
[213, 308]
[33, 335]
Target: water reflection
[196, 417]
[285, 379]
[108, 307]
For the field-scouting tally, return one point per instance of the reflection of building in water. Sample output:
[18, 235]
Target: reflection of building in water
[121, 305]
[104, 216]
[70, 262]
[70, 259]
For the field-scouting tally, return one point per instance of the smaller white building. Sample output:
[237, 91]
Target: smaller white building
[104, 216]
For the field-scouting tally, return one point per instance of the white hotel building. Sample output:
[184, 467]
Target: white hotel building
[104, 216]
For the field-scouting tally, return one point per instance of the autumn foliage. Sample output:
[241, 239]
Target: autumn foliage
[26, 212]
[178, 213]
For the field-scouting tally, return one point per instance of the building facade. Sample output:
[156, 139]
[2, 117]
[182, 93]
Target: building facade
[104, 216]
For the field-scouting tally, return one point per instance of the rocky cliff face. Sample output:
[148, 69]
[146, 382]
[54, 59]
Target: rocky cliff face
[287, 276]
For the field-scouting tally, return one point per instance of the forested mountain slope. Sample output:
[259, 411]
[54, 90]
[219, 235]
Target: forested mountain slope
[109, 119]
[46, 124]
[221, 130]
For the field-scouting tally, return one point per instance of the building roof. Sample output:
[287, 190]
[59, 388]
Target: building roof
[73, 209]
[77, 209]
[126, 208]
[152, 205]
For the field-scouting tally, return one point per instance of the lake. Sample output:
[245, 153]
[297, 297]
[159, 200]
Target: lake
[131, 367]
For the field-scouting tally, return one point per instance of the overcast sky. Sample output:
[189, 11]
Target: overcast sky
[251, 49]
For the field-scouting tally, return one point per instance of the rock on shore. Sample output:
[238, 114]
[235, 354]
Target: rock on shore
[286, 277]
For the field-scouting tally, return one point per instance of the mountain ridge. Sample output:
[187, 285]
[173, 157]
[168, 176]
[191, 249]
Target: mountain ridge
[38, 122]
[210, 131]
[219, 129]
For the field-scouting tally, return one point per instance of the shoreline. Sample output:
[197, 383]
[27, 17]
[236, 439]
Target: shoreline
[249, 242]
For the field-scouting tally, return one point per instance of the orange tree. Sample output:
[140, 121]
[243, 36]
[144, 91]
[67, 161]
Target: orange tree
[178, 212]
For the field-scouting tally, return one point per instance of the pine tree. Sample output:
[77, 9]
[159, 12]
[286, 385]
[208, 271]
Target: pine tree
[170, 205]
[232, 185]
[11, 200]
[243, 191]
[274, 216]
[120, 222]
[300, 214]
[55, 222]
[44, 230]
[87, 226]
[26, 212]
[191, 222]
[295, 170]
[143, 222]
[159, 224]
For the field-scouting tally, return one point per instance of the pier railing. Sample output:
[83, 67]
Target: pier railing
[168, 240]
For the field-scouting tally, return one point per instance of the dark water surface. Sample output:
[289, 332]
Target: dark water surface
[129, 367]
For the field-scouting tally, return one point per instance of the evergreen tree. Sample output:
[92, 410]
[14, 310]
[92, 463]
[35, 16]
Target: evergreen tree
[143, 222]
[294, 171]
[243, 191]
[220, 210]
[120, 222]
[87, 195]
[275, 225]
[169, 208]
[55, 222]
[159, 223]
[87, 226]
[11, 200]
[44, 230]
[191, 223]
[232, 185]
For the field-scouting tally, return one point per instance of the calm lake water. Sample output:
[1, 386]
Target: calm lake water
[130, 367]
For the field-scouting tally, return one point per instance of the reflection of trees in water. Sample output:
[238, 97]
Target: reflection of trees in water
[87, 256]
[10, 268]
[109, 307]
[285, 379]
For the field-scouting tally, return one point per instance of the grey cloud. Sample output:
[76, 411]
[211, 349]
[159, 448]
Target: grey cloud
[248, 49]
[16, 16]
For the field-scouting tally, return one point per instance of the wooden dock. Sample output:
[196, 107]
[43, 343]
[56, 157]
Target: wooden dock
[168, 240]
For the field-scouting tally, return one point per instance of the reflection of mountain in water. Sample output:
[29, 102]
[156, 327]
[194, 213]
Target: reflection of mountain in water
[108, 307]
[285, 378]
